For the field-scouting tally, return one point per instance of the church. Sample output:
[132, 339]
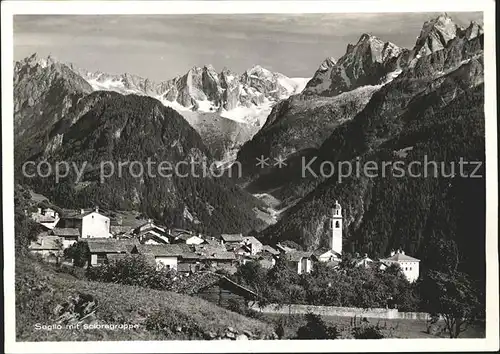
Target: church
[334, 251]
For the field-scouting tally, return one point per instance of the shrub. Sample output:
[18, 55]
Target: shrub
[315, 328]
[367, 332]
[132, 270]
[168, 322]
[78, 252]
[243, 309]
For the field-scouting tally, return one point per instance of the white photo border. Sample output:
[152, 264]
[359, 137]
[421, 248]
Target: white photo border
[11, 8]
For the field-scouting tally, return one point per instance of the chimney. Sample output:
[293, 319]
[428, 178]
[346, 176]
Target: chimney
[402, 252]
[39, 210]
[366, 255]
[96, 209]
[392, 253]
[82, 211]
[56, 215]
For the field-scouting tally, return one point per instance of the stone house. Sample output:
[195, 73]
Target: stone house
[231, 238]
[49, 247]
[189, 239]
[215, 288]
[327, 255]
[100, 249]
[151, 234]
[254, 244]
[69, 236]
[169, 256]
[216, 257]
[301, 261]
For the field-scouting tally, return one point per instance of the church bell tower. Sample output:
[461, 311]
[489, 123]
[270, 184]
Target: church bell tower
[336, 226]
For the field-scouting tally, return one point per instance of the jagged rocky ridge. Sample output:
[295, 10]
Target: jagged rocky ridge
[225, 108]
[204, 89]
[372, 61]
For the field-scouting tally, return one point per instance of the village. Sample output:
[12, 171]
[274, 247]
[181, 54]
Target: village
[187, 252]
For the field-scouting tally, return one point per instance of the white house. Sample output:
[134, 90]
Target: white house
[90, 224]
[409, 265]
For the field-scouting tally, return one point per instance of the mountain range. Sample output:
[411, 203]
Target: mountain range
[378, 102]
[403, 105]
[227, 109]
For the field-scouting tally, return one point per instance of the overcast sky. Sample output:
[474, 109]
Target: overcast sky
[163, 46]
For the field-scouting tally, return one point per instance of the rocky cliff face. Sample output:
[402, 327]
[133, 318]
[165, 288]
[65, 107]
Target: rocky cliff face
[371, 61]
[44, 91]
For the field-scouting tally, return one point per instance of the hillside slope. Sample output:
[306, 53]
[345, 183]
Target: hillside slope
[158, 313]
[109, 128]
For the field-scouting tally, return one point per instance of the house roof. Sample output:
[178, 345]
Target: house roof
[252, 240]
[58, 231]
[180, 232]
[399, 257]
[45, 242]
[237, 248]
[270, 249]
[148, 226]
[211, 242]
[44, 218]
[296, 256]
[78, 215]
[119, 229]
[285, 249]
[321, 251]
[204, 279]
[185, 267]
[110, 245]
[170, 250]
[213, 252]
[186, 237]
[232, 237]
[150, 234]
[113, 257]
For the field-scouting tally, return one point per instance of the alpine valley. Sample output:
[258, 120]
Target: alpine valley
[378, 102]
